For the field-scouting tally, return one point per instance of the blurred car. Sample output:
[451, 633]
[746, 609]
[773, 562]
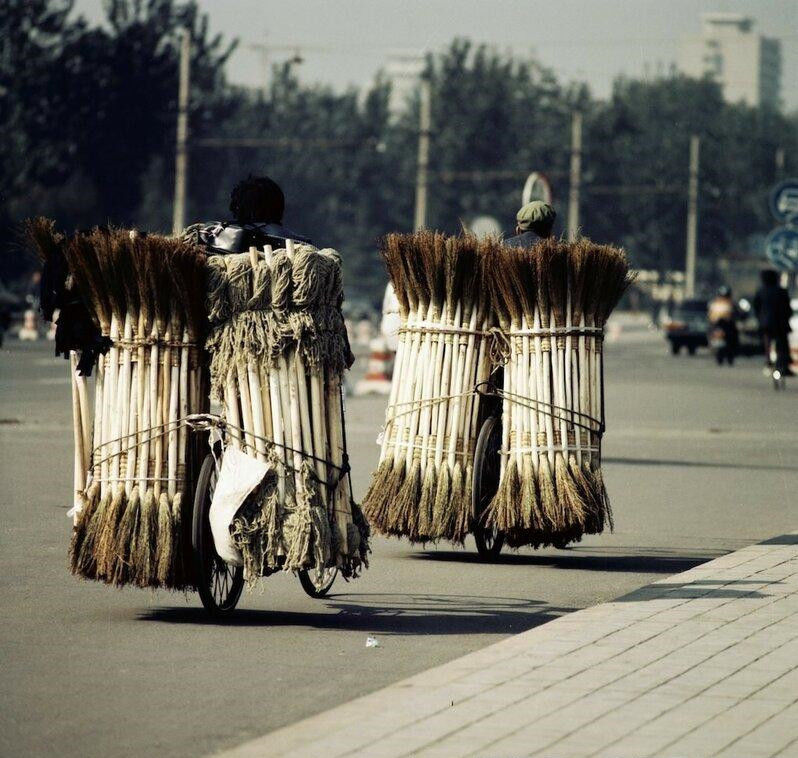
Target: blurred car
[687, 326]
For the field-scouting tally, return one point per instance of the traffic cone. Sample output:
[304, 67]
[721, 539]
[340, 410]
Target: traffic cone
[30, 327]
[377, 380]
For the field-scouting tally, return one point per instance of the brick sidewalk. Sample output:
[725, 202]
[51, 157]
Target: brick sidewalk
[704, 663]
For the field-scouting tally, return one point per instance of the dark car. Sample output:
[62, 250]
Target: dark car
[687, 326]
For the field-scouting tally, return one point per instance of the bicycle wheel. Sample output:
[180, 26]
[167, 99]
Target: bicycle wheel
[218, 583]
[485, 482]
[317, 582]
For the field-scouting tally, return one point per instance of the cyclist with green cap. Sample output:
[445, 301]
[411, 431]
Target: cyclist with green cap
[533, 222]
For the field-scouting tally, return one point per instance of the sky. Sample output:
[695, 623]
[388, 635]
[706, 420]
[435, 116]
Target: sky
[346, 42]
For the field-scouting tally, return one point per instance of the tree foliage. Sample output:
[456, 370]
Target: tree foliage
[87, 130]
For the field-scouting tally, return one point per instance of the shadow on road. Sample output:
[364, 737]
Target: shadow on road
[697, 464]
[705, 589]
[782, 539]
[387, 614]
[572, 559]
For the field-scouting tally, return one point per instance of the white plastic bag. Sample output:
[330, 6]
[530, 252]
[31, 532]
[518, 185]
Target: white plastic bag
[239, 476]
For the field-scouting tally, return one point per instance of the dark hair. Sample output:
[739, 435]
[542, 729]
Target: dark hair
[769, 277]
[257, 198]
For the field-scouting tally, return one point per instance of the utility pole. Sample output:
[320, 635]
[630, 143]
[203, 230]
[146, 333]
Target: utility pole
[181, 153]
[576, 175]
[422, 167]
[692, 217]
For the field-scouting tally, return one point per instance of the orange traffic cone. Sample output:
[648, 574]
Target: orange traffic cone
[377, 380]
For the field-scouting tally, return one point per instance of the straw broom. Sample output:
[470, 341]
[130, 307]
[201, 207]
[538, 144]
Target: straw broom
[387, 477]
[118, 257]
[397, 484]
[153, 513]
[435, 273]
[449, 513]
[532, 520]
[407, 309]
[48, 244]
[463, 415]
[84, 267]
[186, 268]
[407, 496]
[129, 525]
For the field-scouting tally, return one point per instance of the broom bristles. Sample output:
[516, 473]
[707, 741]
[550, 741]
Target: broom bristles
[87, 558]
[426, 504]
[464, 517]
[144, 557]
[164, 542]
[90, 503]
[107, 537]
[125, 542]
[442, 494]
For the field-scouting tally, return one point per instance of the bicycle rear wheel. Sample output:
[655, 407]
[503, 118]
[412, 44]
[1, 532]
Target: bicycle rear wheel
[218, 583]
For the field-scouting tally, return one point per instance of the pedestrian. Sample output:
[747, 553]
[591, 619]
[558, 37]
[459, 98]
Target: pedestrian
[534, 221]
[257, 204]
[773, 310]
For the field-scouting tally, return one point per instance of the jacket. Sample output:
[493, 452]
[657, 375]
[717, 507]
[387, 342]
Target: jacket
[772, 308]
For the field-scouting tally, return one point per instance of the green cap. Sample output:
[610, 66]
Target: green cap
[536, 216]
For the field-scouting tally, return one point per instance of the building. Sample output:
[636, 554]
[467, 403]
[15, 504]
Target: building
[404, 71]
[745, 64]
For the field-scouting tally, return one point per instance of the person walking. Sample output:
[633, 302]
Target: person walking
[534, 221]
[773, 310]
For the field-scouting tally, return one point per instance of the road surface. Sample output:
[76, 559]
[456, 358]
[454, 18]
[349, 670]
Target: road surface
[699, 461]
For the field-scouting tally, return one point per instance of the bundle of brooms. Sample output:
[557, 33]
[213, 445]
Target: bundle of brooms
[278, 350]
[146, 294]
[469, 307]
[552, 301]
[422, 486]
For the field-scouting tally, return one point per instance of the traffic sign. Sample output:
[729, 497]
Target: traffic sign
[784, 199]
[536, 187]
[781, 248]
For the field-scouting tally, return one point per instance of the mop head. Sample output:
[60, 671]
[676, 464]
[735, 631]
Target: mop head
[278, 350]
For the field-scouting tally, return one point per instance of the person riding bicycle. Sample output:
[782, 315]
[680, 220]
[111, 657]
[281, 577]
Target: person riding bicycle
[772, 308]
[257, 204]
[534, 221]
[722, 317]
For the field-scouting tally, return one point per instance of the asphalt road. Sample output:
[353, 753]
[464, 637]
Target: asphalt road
[699, 461]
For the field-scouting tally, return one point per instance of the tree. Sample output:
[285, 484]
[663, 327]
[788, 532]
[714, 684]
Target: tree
[94, 109]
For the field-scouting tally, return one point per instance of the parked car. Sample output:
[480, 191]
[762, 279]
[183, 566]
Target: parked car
[687, 326]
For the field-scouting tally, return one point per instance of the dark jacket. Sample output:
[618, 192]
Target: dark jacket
[526, 239]
[772, 308]
[230, 237]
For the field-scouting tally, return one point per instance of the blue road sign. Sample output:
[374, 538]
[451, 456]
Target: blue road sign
[784, 199]
[781, 248]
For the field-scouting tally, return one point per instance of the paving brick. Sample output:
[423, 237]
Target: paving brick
[714, 734]
[700, 663]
